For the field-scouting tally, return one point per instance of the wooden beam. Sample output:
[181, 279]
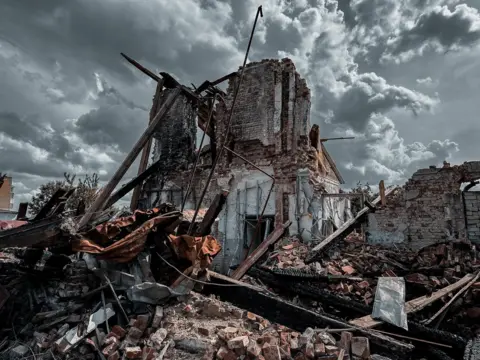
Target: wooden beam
[216, 206]
[146, 150]
[22, 211]
[127, 162]
[31, 234]
[260, 250]
[50, 204]
[417, 304]
[343, 230]
[383, 196]
[125, 189]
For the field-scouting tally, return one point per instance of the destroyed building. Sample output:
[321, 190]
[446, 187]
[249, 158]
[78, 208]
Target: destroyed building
[293, 177]
[432, 207]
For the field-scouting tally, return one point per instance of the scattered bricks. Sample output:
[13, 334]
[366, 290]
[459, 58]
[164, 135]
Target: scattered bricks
[133, 336]
[188, 308]
[158, 337]
[114, 356]
[192, 345]
[309, 351]
[251, 316]
[237, 313]
[148, 353]
[294, 344]
[142, 322]
[268, 339]
[203, 331]
[332, 271]
[347, 269]
[133, 352]
[117, 331]
[253, 349]
[330, 349]
[212, 309]
[360, 347]
[111, 347]
[238, 343]
[319, 349]
[326, 338]
[271, 352]
[227, 333]
[225, 354]
[346, 341]
[157, 318]
[306, 337]
[363, 284]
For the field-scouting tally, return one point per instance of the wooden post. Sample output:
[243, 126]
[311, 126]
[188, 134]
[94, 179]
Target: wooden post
[127, 162]
[146, 150]
[381, 189]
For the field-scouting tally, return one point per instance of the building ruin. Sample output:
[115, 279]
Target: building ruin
[271, 128]
[432, 207]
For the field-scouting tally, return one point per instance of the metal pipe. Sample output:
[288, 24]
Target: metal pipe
[229, 122]
[337, 138]
[192, 177]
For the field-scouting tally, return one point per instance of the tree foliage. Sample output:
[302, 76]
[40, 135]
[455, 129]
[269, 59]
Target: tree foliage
[86, 189]
[361, 188]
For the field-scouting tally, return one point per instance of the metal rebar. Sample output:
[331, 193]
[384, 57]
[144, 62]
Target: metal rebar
[116, 297]
[229, 122]
[192, 177]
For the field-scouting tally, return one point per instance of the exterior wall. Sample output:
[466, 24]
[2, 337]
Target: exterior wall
[472, 209]
[428, 210]
[175, 138]
[6, 194]
[270, 128]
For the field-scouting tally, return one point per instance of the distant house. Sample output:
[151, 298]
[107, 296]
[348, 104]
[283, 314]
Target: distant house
[6, 199]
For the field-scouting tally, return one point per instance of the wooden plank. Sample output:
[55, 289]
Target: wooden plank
[342, 229]
[381, 190]
[31, 234]
[22, 211]
[146, 150]
[127, 162]
[260, 250]
[50, 204]
[216, 206]
[417, 304]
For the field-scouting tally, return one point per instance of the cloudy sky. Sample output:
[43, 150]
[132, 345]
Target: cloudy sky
[402, 76]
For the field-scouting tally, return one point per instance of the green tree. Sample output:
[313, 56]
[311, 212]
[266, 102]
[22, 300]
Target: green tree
[85, 190]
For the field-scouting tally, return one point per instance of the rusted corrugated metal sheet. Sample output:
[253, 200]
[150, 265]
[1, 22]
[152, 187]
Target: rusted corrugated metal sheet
[127, 248]
[11, 224]
[196, 249]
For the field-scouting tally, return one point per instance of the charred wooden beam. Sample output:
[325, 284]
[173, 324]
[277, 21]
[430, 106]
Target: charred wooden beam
[137, 181]
[141, 68]
[260, 250]
[22, 211]
[215, 208]
[127, 162]
[280, 311]
[207, 84]
[51, 203]
[32, 234]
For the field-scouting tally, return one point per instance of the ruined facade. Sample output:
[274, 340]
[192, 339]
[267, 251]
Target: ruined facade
[271, 128]
[432, 207]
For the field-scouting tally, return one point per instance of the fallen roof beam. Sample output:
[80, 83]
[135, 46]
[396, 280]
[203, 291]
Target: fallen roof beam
[32, 234]
[50, 204]
[141, 68]
[206, 84]
[260, 250]
[125, 189]
[417, 304]
[127, 162]
[205, 227]
[343, 230]
[146, 150]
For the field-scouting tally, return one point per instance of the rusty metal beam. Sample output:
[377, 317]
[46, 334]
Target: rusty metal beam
[127, 162]
[260, 250]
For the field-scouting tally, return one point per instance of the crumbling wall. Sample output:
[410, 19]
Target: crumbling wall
[175, 137]
[472, 211]
[431, 209]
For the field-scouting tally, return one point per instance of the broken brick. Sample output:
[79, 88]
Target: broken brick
[360, 347]
[133, 352]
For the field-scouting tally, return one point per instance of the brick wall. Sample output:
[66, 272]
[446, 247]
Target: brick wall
[472, 209]
[429, 208]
